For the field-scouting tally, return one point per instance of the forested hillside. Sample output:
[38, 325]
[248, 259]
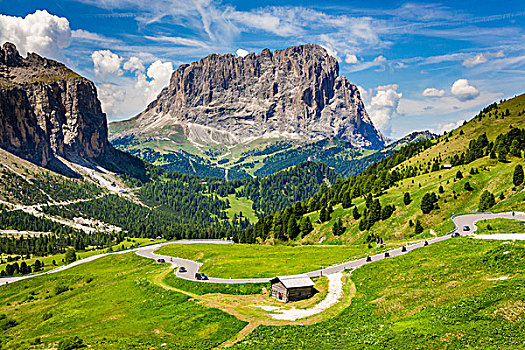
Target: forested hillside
[416, 188]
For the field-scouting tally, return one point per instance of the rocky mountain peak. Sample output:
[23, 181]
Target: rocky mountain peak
[47, 110]
[292, 93]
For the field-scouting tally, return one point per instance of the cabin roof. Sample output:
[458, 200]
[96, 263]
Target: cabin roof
[294, 281]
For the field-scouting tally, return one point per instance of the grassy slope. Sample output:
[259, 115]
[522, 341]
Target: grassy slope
[241, 204]
[119, 308]
[242, 260]
[494, 176]
[473, 129]
[429, 298]
[500, 226]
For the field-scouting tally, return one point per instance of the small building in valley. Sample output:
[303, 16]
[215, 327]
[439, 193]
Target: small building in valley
[292, 288]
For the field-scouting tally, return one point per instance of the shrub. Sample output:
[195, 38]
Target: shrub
[60, 288]
[71, 344]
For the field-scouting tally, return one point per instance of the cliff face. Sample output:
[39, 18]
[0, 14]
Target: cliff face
[291, 93]
[47, 110]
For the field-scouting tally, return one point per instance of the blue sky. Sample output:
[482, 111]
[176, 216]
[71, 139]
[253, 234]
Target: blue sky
[419, 65]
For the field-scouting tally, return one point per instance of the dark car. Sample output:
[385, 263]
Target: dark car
[200, 276]
[466, 228]
[161, 260]
[182, 269]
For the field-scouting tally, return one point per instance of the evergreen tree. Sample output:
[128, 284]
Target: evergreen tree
[71, 255]
[338, 229]
[305, 226]
[292, 228]
[406, 198]
[427, 202]
[441, 189]
[486, 200]
[347, 200]
[517, 177]
[356, 214]
[459, 175]
[468, 187]
[418, 228]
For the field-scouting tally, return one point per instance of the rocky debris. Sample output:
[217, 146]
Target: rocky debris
[47, 110]
[293, 93]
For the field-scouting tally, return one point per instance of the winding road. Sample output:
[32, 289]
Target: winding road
[193, 267]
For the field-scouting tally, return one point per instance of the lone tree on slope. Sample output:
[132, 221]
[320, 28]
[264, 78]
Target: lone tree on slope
[517, 178]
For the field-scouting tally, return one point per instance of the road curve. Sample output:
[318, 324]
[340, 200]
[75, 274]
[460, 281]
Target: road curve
[459, 221]
[193, 267]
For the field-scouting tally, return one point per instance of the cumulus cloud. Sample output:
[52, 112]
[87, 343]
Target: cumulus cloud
[106, 63]
[38, 32]
[463, 91]
[351, 59]
[441, 128]
[129, 96]
[383, 105]
[134, 64]
[433, 92]
[242, 53]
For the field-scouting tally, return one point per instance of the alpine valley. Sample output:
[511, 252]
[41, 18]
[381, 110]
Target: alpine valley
[254, 205]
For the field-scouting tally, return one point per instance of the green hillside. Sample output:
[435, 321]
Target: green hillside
[452, 172]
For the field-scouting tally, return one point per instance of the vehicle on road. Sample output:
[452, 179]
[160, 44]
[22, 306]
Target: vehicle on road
[466, 228]
[200, 276]
[161, 260]
[455, 234]
[182, 269]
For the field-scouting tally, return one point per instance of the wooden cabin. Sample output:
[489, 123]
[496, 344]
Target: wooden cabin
[292, 288]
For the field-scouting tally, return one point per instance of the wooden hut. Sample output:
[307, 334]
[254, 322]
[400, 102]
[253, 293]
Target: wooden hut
[292, 288]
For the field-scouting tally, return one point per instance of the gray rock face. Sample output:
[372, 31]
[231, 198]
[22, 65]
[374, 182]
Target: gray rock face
[294, 93]
[47, 110]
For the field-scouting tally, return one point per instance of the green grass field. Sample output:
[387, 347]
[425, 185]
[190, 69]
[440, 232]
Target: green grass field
[500, 226]
[110, 303]
[243, 261]
[201, 288]
[241, 204]
[430, 298]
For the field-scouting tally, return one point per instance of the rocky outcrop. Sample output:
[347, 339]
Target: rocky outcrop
[291, 93]
[47, 110]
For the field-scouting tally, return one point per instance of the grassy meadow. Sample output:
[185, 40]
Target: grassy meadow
[243, 260]
[500, 226]
[110, 303]
[429, 298]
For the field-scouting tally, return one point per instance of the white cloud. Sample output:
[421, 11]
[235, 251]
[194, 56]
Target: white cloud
[134, 64]
[129, 96]
[380, 59]
[480, 58]
[463, 91]
[38, 32]
[475, 60]
[106, 63]
[351, 59]
[242, 53]
[383, 105]
[433, 92]
[177, 40]
[441, 128]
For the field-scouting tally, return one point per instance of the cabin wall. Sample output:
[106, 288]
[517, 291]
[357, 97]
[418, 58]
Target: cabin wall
[300, 293]
[279, 291]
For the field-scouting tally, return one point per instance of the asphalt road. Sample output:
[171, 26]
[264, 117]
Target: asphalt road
[193, 266]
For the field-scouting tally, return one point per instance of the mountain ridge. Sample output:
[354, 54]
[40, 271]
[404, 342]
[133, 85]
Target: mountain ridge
[293, 93]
